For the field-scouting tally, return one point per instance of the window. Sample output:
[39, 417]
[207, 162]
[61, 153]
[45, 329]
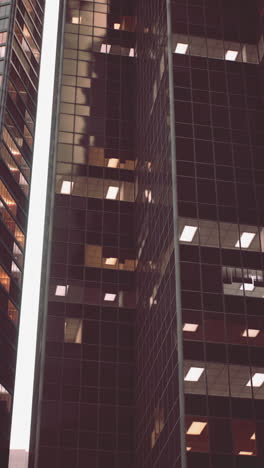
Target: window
[73, 330]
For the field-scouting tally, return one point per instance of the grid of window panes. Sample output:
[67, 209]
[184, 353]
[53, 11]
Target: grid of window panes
[87, 407]
[219, 145]
[20, 40]
[157, 411]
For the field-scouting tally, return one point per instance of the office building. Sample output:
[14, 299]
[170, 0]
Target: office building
[20, 43]
[151, 346]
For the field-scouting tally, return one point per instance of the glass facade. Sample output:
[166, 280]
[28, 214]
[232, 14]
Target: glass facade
[20, 42]
[154, 359]
[86, 415]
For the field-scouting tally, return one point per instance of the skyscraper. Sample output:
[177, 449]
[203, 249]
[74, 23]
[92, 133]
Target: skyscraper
[151, 327]
[20, 42]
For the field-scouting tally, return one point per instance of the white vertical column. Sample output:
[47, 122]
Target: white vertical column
[22, 404]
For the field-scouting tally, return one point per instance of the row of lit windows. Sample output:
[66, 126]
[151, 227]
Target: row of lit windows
[93, 296]
[226, 235]
[11, 225]
[218, 49]
[96, 188]
[236, 436]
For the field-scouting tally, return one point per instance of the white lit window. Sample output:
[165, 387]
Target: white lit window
[231, 55]
[105, 48]
[111, 261]
[190, 327]
[112, 192]
[247, 287]
[76, 20]
[245, 453]
[257, 380]
[188, 233]
[61, 290]
[132, 52]
[251, 333]
[66, 187]
[253, 437]
[113, 162]
[245, 240]
[116, 25]
[109, 297]
[188, 449]
[196, 428]
[181, 48]
[194, 374]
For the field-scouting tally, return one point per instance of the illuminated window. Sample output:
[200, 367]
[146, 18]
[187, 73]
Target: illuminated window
[245, 453]
[257, 380]
[245, 240]
[116, 25]
[5, 397]
[73, 330]
[181, 48]
[105, 48]
[4, 279]
[61, 290]
[109, 297]
[188, 233]
[66, 187]
[194, 374]
[231, 55]
[111, 261]
[196, 428]
[190, 327]
[112, 193]
[158, 425]
[3, 37]
[76, 20]
[12, 312]
[113, 162]
[247, 287]
[251, 333]
[132, 52]
[7, 198]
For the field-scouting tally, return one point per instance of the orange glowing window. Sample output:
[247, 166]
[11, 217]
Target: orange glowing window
[12, 312]
[4, 279]
[8, 199]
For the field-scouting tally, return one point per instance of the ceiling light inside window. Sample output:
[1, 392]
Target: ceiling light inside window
[116, 25]
[66, 187]
[111, 261]
[181, 48]
[250, 333]
[76, 20]
[113, 162]
[196, 428]
[112, 192]
[247, 287]
[109, 297]
[257, 380]
[190, 327]
[245, 453]
[188, 449]
[231, 55]
[194, 374]
[105, 48]
[61, 290]
[245, 240]
[188, 233]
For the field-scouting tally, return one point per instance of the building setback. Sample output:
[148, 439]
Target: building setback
[151, 343]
